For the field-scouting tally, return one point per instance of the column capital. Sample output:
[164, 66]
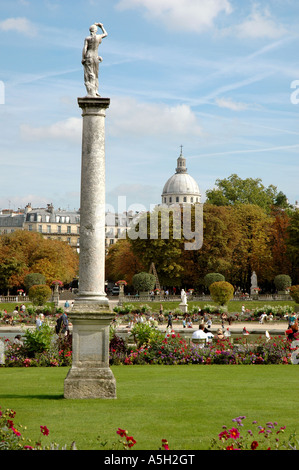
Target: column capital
[93, 102]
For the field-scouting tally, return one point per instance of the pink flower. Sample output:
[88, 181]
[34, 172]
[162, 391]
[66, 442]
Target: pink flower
[234, 433]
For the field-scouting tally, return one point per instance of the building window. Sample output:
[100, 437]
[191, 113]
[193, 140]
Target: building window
[48, 228]
[69, 240]
[192, 199]
[185, 199]
[177, 199]
[170, 199]
[68, 230]
[59, 228]
[40, 229]
[30, 228]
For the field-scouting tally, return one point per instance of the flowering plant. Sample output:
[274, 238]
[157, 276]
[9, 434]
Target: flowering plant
[57, 283]
[261, 437]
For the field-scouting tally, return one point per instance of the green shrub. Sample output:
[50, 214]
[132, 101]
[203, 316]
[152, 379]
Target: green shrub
[143, 282]
[213, 277]
[39, 294]
[221, 292]
[38, 340]
[282, 282]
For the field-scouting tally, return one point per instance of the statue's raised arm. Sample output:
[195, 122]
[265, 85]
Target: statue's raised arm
[91, 59]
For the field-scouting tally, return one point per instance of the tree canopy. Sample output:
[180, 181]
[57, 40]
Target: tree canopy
[235, 190]
[23, 253]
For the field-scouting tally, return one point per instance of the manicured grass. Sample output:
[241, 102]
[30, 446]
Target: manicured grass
[234, 306]
[187, 405]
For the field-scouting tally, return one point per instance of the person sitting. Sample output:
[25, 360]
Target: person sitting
[199, 336]
[220, 334]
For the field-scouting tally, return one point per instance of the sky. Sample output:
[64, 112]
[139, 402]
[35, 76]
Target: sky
[218, 77]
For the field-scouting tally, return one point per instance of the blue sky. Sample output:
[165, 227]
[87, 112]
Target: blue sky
[212, 75]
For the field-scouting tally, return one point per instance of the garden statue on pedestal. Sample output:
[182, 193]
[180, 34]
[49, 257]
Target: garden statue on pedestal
[254, 287]
[91, 60]
[183, 305]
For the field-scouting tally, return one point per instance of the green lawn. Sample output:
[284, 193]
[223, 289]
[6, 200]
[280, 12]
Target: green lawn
[185, 404]
[234, 306]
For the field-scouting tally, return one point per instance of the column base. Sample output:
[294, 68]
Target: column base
[90, 383]
[90, 375]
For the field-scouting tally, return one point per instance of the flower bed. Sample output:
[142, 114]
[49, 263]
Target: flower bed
[267, 436]
[172, 349]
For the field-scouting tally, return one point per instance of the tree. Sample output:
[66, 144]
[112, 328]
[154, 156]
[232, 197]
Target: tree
[234, 190]
[252, 249]
[221, 292]
[279, 241]
[22, 253]
[158, 246]
[293, 246]
[143, 282]
[294, 293]
[122, 262]
[34, 279]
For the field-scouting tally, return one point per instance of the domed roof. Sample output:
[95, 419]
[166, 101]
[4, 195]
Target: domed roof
[181, 183]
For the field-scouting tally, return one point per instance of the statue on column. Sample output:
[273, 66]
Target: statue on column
[91, 60]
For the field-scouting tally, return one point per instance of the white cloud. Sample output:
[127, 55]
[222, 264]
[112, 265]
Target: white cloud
[259, 24]
[228, 103]
[20, 25]
[192, 15]
[70, 129]
[128, 116]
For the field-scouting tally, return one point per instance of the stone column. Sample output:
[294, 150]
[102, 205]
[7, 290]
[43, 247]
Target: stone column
[90, 375]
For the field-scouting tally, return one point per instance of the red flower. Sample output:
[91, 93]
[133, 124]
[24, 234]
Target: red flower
[254, 445]
[44, 430]
[16, 432]
[121, 432]
[130, 441]
[223, 434]
[165, 444]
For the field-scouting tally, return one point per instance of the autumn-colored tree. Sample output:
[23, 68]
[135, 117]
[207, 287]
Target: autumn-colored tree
[293, 246]
[252, 251]
[279, 241]
[219, 233]
[23, 252]
[121, 262]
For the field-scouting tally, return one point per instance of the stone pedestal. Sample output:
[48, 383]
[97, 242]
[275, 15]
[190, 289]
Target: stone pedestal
[90, 375]
[183, 307]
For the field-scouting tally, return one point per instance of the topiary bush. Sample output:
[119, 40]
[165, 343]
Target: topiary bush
[282, 282]
[39, 294]
[221, 292]
[143, 282]
[213, 277]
